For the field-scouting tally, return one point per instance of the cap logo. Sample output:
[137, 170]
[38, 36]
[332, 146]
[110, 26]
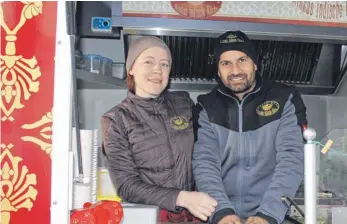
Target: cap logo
[231, 38]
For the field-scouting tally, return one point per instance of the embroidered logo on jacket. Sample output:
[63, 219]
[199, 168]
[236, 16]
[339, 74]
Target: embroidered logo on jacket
[268, 108]
[179, 123]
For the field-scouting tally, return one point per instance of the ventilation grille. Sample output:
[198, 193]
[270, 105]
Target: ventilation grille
[289, 62]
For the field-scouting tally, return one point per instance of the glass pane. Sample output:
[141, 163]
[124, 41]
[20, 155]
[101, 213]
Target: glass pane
[331, 181]
[332, 178]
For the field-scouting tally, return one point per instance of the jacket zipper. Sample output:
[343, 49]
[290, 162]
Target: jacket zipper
[174, 175]
[240, 144]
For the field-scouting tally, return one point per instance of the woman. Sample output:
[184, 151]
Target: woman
[148, 138]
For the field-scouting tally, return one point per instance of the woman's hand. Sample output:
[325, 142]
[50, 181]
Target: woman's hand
[201, 205]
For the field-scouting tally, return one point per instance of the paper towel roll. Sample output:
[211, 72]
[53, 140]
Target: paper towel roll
[87, 148]
[86, 191]
[81, 194]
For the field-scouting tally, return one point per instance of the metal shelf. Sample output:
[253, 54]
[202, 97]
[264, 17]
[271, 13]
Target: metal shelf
[88, 80]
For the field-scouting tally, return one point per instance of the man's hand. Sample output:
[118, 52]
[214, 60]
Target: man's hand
[256, 220]
[201, 205]
[230, 219]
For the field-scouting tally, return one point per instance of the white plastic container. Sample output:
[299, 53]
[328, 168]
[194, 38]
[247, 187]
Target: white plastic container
[133, 213]
[106, 190]
[92, 63]
[118, 70]
[106, 66]
[138, 213]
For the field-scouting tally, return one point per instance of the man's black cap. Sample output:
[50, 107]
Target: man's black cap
[235, 41]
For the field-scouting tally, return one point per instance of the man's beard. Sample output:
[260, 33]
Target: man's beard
[240, 88]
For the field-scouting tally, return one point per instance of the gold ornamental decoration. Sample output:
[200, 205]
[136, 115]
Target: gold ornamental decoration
[17, 185]
[45, 125]
[19, 75]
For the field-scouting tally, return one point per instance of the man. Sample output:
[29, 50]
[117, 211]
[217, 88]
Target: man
[249, 147]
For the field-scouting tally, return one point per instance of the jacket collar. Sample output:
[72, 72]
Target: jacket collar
[142, 100]
[150, 104]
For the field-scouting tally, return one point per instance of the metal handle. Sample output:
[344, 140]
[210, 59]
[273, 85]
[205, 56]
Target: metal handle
[310, 177]
[77, 122]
